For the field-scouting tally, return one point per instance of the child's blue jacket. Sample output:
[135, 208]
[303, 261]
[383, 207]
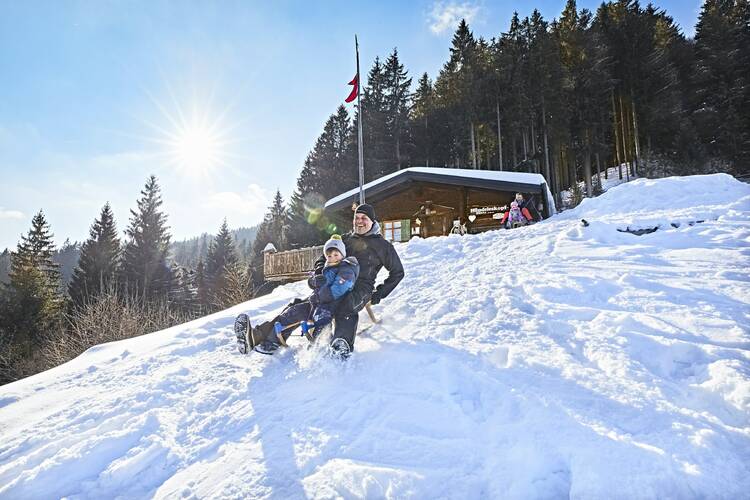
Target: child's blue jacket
[340, 278]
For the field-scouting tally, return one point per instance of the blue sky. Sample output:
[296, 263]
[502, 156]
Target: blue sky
[97, 95]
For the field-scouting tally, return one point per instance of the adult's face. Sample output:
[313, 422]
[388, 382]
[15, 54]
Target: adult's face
[362, 224]
[519, 198]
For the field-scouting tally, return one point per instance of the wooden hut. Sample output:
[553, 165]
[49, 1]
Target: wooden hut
[427, 202]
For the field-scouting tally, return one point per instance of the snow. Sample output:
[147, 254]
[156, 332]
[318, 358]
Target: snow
[609, 365]
[490, 175]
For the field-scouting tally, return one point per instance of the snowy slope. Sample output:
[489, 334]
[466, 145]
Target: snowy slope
[550, 361]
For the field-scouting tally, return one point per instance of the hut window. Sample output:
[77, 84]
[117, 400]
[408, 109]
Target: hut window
[392, 230]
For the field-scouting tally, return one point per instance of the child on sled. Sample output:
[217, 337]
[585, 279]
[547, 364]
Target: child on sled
[336, 279]
[516, 216]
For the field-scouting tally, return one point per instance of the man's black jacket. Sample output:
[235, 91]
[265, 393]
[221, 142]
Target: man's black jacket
[373, 252]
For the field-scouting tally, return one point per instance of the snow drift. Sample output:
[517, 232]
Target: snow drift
[549, 361]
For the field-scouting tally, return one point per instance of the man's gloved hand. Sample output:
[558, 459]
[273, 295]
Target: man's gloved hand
[316, 281]
[314, 299]
[375, 298]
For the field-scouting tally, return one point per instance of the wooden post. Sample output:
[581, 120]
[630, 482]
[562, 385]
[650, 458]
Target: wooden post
[462, 202]
[371, 314]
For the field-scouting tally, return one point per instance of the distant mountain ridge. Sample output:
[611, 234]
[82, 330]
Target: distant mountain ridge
[188, 252]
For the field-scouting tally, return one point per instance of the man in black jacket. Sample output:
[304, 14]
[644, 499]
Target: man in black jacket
[373, 253]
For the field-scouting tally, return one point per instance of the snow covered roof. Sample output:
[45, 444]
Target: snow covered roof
[510, 181]
[269, 248]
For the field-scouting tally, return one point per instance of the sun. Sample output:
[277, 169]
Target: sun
[196, 149]
[193, 139]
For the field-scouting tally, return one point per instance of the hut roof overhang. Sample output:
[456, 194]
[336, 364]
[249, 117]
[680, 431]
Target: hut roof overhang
[480, 179]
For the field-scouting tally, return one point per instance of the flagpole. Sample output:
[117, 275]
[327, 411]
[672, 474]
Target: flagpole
[359, 130]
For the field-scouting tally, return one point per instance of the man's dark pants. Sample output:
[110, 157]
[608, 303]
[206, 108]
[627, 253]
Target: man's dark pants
[347, 314]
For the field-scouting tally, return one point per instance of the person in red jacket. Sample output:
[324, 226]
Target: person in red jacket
[516, 216]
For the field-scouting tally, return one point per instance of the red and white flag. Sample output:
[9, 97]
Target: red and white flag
[355, 90]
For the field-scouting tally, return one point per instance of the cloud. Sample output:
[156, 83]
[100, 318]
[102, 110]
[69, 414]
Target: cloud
[11, 214]
[446, 16]
[251, 203]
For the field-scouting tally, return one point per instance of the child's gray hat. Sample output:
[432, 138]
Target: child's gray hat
[335, 242]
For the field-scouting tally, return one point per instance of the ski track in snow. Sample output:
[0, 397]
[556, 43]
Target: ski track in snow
[550, 361]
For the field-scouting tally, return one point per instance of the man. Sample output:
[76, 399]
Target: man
[373, 252]
[529, 206]
[521, 202]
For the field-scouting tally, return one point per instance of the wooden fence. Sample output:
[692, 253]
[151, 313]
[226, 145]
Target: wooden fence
[291, 264]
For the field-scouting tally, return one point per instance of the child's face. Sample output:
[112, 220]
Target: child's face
[333, 256]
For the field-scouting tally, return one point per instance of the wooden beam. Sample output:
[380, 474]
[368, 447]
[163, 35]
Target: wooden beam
[371, 314]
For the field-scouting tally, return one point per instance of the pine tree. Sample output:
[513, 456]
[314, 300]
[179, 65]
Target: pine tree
[4, 266]
[456, 90]
[202, 292]
[722, 80]
[547, 96]
[185, 295]
[34, 292]
[222, 254]
[378, 147]
[144, 270]
[274, 229]
[279, 223]
[422, 123]
[97, 264]
[329, 170]
[397, 102]
[511, 78]
[586, 92]
[67, 258]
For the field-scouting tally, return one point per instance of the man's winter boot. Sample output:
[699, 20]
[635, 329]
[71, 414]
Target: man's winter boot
[340, 349]
[243, 331]
[267, 347]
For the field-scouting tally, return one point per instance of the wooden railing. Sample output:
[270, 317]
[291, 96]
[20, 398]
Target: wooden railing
[291, 264]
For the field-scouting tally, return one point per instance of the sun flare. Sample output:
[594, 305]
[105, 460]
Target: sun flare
[193, 138]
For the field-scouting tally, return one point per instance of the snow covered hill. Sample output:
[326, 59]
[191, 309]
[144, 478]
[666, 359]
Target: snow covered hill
[551, 361]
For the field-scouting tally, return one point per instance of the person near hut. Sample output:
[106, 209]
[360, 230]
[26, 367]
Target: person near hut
[522, 203]
[516, 216]
[330, 286]
[373, 252]
[529, 205]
